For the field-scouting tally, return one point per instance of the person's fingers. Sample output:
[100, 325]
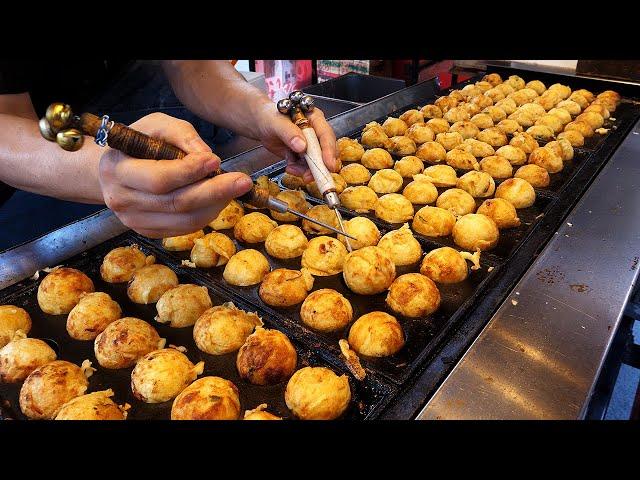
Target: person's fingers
[162, 225]
[157, 176]
[177, 132]
[326, 137]
[288, 132]
[296, 165]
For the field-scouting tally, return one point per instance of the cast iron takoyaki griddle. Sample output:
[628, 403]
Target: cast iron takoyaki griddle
[367, 396]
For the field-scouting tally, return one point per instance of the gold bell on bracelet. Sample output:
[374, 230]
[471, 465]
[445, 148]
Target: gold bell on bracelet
[70, 139]
[58, 115]
[46, 130]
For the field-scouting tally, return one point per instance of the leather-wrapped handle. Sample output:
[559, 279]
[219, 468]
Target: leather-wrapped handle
[139, 145]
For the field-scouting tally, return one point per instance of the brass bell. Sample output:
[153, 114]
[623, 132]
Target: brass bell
[58, 115]
[46, 130]
[70, 139]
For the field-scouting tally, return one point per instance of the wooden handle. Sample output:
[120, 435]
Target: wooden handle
[138, 145]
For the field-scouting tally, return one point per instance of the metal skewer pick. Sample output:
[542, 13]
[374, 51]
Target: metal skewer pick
[295, 106]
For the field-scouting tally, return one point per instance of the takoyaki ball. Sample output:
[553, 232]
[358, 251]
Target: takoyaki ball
[517, 191]
[471, 108]
[266, 183]
[287, 241]
[401, 246]
[555, 147]
[492, 78]
[444, 265]
[93, 313]
[374, 137]
[477, 148]
[579, 99]
[411, 117]
[567, 149]
[441, 175]
[520, 97]
[259, 413]
[548, 100]
[562, 90]
[533, 109]
[322, 213]
[466, 129]
[496, 113]
[438, 125]
[349, 150]
[413, 295]
[402, 145]
[470, 91]
[385, 181]
[266, 358]
[580, 126]
[364, 230]
[409, 166]
[575, 138]
[376, 334]
[503, 213]
[120, 263]
[49, 387]
[594, 119]
[514, 155]
[162, 374]
[394, 126]
[149, 283]
[609, 103]
[431, 152]
[493, 136]
[547, 159]
[181, 243]
[245, 268]
[524, 119]
[213, 250]
[570, 106]
[449, 140]
[13, 320]
[525, 142]
[446, 103]
[254, 227]
[550, 121]
[541, 133]
[284, 288]
[535, 175]
[92, 406]
[610, 94]
[457, 114]
[462, 160]
[22, 356]
[324, 256]
[477, 184]
[483, 85]
[61, 290]
[475, 231]
[482, 120]
[590, 97]
[292, 181]
[208, 398]
[482, 101]
[530, 93]
[495, 94]
[359, 198]
[368, 271]
[124, 341]
[508, 105]
[314, 191]
[377, 159]
[296, 201]
[326, 310]
[505, 88]
[420, 133]
[420, 191]
[434, 222]
[229, 216]
[316, 393]
[537, 86]
[497, 166]
[515, 81]
[394, 208]
[563, 115]
[456, 201]
[431, 111]
[223, 329]
[183, 305]
[509, 126]
[355, 174]
[598, 108]
[458, 95]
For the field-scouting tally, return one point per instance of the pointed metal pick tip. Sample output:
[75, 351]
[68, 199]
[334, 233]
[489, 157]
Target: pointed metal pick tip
[317, 222]
[347, 242]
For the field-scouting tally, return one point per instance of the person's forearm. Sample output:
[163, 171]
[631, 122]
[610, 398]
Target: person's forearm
[31, 163]
[215, 91]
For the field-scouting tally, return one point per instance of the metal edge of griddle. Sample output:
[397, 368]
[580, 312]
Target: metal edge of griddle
[541, 353]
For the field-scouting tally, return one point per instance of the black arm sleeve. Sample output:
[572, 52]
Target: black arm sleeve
[15, 76]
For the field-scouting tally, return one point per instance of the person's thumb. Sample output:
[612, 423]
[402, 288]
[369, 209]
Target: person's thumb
[290, 134]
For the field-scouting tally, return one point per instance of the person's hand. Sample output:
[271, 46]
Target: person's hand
[164, 198]
[282, 137]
